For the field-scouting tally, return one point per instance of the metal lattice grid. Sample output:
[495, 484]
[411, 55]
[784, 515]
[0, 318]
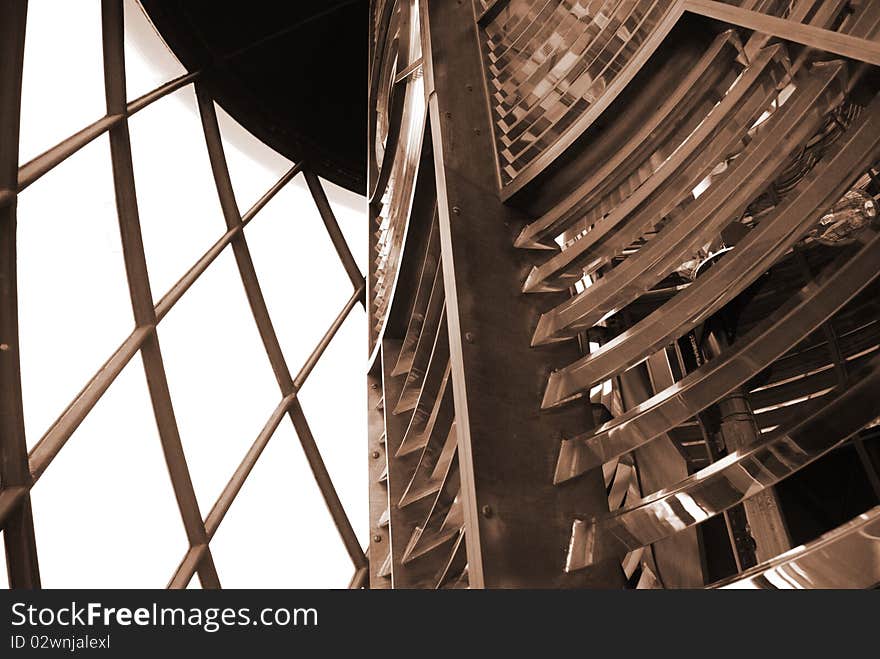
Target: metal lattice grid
[20, 469]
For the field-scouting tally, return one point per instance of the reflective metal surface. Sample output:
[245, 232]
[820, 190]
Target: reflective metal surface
[757, 251]
[802, 314]
[739, 475]
[847, 557]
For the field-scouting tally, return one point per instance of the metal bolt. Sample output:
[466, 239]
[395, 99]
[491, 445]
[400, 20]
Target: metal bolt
[449, 115]
[377, 538]
[487, 511]
[456, 210]
[4, 346]
[469, 337]
[476, 131]
[374, 455]
[470, 88]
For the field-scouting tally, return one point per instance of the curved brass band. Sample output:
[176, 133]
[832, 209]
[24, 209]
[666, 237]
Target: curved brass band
[753, 256]
[847, 557]
[801, 315]
[739, 475]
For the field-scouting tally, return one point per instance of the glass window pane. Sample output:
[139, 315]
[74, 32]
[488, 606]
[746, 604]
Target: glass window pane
[220, 379]
[179, 208]
[104, 511]
[63, 78]
[149, 63]
[74, 308]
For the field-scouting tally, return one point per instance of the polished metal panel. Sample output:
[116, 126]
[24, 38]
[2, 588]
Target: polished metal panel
[395, 180]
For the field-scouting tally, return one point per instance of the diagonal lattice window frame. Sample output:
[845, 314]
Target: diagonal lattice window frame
[20, 469]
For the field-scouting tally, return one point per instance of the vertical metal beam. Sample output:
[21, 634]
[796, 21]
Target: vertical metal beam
[517, 522]
[232, 216]
[139, 288]
[21, 548]
[351, 268]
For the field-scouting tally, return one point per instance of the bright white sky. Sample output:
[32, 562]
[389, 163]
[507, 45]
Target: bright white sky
[104, 511]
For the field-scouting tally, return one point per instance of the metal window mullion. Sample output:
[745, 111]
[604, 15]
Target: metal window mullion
[240, 249]
[22, 564]
[260, 312]
[185, 570]
[48, 160]
[335, 233]
[139, 288]
[45, 450]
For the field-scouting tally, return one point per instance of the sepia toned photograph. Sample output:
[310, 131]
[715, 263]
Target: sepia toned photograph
[434, 295]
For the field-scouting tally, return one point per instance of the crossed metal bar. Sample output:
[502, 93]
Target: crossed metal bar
[19, 470]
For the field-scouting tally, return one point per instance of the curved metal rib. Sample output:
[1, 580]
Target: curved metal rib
[435, 531]
[547, 116]
[421, 356]
[648, 138]
[456, 564]
[736, 477]
[753, 256]
[702, 219]
[801, 315]
[847, 557]
[711, 142]
[438, 438]
[430, 266]
[440, 445]
[415, 437]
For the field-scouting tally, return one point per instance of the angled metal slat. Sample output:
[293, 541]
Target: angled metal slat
[741, 474]
[711, 142]
[704, 218]
[801, 315]
[647, 138]
[424, 289]
[421, 355]
[753, 255]
[431, 388]
[845, 557]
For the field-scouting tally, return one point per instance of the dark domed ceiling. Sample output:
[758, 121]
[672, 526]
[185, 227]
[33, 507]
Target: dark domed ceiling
[293, 73]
